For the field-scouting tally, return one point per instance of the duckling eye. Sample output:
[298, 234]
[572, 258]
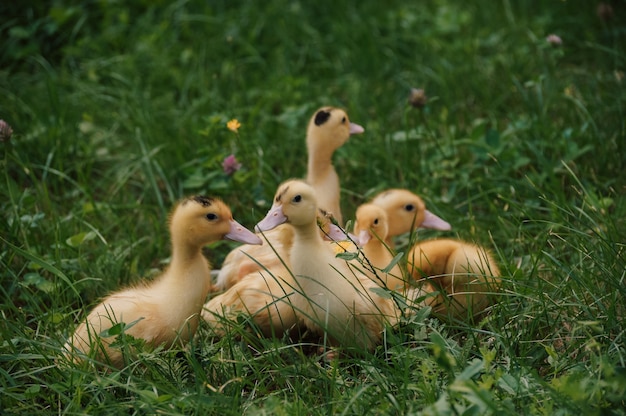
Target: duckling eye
[376, 221]
[409, 207]
[297, 198]
[343, 120]
[211, 216]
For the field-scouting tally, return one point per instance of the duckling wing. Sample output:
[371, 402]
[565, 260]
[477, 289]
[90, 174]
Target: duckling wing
[264, 295]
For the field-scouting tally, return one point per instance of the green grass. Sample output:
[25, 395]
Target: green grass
[119, 109]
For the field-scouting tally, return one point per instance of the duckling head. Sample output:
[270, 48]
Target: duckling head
[199, 220]
[294, 203]
[371, 222]
[407, 211]
[329, 128]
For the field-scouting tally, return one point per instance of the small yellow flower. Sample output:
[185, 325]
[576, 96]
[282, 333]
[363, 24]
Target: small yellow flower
[344, 247]
[233, 125]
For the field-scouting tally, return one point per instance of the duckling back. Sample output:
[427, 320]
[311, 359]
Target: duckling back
[466, 275]
[262, 296]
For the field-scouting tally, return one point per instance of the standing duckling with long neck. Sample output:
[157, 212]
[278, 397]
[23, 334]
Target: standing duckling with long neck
[329, 297]
[328, 130]
[165, 311]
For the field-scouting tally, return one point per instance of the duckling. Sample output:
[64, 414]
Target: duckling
[437, 262]
[330, 298]
[405, 212]
[466, 272]
[264, 294]
[165, 311]
[371, 229]
[328, 129]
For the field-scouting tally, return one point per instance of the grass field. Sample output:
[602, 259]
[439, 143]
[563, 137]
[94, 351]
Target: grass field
[118, 109]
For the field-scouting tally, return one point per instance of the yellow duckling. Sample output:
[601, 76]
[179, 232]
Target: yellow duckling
[328, 296]
[328, 129]
[371, 228]
[264, 294]
[466, 272]
[165, 311]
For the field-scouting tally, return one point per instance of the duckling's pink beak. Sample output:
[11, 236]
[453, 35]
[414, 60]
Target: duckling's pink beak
[273, 219]
[356, 129]
[364, 238]
[335, 233]
[240, 233]
[434, 222]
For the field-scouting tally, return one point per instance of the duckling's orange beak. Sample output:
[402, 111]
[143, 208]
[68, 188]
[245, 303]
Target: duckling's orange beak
[434, 222]
[356, 129]
[240, 233]
[273, 219]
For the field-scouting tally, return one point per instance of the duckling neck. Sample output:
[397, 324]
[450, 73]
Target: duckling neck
[183, 286]
[182, 257]
[322, 176]
[320, 166]
[377, 254]
[188, 273]
[308, 233]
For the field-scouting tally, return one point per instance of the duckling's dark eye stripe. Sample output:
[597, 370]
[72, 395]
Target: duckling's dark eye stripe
[205, 201]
